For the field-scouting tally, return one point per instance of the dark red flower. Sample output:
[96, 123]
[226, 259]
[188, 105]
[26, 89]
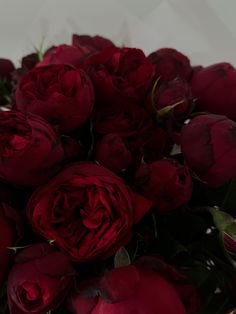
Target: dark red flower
[64, 54]
[174, 95]
[166, 183]
[208, 146]
[215, 89]
[170, 64]
[149, 286]
[92, 44]
[30, 150]
[121, 76]
[61, 94]
[39, 279]
[87, 210]
[112, 153]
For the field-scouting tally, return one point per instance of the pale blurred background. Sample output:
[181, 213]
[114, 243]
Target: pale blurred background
[203, 29]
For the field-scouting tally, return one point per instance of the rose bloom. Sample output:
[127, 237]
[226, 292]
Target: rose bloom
[170, 64]
[149, 286]
[121, 76]
[11, 232]
[65, 54]
[30, 150]
[59, 93]
[176, 94]
[208, 146]
[215, 89]
[92, 44]
[132, 123]
[87, 210]
[112, 153]
[166, 183]
[39, 279]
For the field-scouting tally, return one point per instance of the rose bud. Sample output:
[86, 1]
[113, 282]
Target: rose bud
[131, 123]
[121, 76]
[208, 146]
[64, 54]
[60, 94]
[157, 146]
[170, 64]
[174, 95]
[166, 183]
[6, 69]
[39, 279]
[215, 89]
[30, 150]
[87, 210]
[92, 44]
[150, 286]
[29, 61]
[11, 232]
[112, 153]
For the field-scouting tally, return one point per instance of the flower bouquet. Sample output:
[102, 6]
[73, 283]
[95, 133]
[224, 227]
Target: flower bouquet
[117, 182]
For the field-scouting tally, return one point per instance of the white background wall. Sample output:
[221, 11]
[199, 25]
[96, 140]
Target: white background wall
[203, 29]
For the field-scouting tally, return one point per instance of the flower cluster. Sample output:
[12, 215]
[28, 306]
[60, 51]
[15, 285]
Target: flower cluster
[117, 182]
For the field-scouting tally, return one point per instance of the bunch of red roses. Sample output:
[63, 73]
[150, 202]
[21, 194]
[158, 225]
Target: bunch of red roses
[117, 182]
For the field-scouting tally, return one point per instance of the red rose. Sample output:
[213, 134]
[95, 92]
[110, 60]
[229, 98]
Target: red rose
[149, 286]
[39, 279]
[208, 146]
[64, 54]
[132, 123]
[112, 153]
[92, 44]
[87, 210]
[170, 64]
[121, 76]
[11, 231]
[30, 150]
[215, 89]
[6, 69]
[174, 94]
[166, 183]
[59, 93]
[29, 61]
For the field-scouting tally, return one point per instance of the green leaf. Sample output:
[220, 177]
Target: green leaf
[122, 258]
[221, 219]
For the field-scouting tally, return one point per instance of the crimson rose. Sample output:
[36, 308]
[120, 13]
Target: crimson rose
[149, 286]
[166, 183]
[111, 152]
[59, 93]
[64, 54]
[30, 150]
[121, 76]
[170, 64]
[39, 279]
[208, 146]
[92, 44]
[87, 210]
[215, 89]
[174, 94]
